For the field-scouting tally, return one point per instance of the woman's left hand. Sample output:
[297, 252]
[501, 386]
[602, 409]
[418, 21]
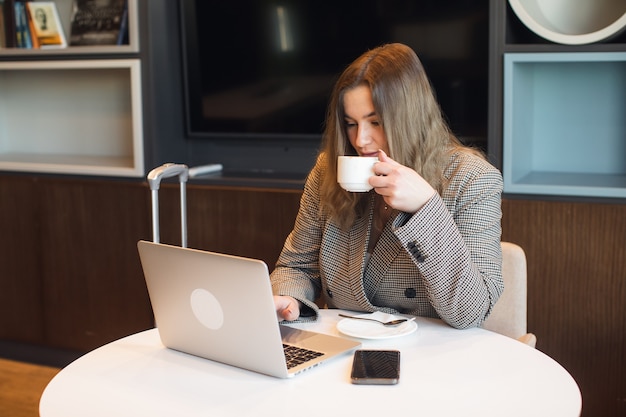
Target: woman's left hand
[287, 308]
[401, 187]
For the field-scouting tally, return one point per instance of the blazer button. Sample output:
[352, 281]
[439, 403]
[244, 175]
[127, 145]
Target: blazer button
[415, 251]
[329, 292]
[410, 293]
[417, 255]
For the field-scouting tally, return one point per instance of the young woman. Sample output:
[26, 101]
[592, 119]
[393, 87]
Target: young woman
[426, 240]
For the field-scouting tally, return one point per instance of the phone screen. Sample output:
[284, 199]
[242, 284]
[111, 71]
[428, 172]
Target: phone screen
[379, 367]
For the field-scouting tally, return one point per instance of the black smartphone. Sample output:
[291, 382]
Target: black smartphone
[376, 367]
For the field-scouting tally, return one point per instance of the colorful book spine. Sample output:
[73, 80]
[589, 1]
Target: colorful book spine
[23, 27]
[19, 39]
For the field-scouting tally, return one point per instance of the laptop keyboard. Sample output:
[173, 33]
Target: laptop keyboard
[297, 355]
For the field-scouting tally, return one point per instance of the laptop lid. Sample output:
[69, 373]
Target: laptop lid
[221, 307]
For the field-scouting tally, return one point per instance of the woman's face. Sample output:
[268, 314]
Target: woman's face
[363, 126]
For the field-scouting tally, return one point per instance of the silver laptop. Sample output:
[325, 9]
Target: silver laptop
[220, 307]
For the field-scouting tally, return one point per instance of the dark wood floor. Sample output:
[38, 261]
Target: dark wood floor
[21, 386]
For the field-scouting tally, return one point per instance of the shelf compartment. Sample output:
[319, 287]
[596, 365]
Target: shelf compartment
[564, 125]
[64, 8]
[72, 117]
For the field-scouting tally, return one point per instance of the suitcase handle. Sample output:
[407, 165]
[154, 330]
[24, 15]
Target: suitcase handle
[154, 180]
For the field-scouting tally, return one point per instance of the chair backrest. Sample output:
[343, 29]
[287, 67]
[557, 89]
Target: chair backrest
[509, 314]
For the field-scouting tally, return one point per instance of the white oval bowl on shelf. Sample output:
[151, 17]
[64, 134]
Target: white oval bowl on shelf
[572, 22]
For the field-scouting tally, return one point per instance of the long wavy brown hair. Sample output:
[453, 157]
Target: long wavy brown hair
[417, 134]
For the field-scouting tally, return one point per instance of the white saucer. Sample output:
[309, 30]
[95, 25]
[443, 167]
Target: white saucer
[364, 329]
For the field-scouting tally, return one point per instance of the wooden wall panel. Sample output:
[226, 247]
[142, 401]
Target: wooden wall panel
[92, 278]
[577, 291]
[71, 275]
[20, 286]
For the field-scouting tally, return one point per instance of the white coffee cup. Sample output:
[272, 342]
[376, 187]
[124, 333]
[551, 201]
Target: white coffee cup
[353, 172]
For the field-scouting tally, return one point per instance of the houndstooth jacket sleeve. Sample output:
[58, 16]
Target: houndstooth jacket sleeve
[443, 261]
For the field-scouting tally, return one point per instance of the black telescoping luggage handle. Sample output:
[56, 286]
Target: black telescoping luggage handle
[154, 180]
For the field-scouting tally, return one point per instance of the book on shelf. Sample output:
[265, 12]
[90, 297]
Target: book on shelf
[22, 31]
[29, 28]
[98, 22]
[46, 29]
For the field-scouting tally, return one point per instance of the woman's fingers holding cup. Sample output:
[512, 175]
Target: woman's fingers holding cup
[383, 157]
[385, 164]
[379, 179]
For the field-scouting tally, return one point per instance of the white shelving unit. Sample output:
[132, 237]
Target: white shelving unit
[76, 110]
[78, 117]
[565, 124]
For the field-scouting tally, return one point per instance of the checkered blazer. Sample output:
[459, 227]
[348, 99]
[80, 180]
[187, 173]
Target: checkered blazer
[443, 261]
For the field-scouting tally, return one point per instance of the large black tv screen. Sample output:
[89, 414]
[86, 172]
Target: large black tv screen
[255, 68]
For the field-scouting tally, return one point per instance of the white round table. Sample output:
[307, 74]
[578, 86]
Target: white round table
[444, 372]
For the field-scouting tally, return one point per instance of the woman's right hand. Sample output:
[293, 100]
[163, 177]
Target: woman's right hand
[287, 308]
[401, 187]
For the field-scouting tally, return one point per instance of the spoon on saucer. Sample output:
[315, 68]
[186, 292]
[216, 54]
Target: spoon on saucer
[384, 323]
